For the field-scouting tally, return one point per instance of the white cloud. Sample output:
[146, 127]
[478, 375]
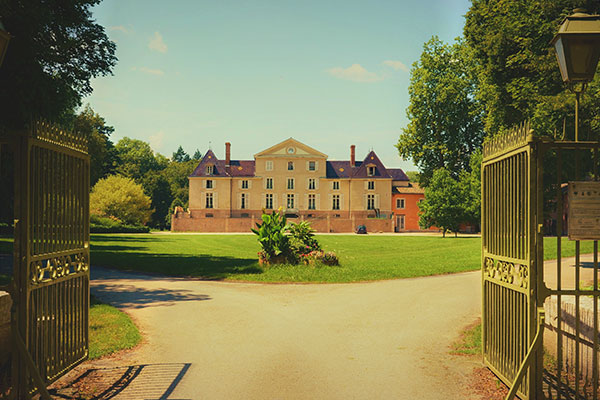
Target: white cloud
[119, 28]
[397, 65]
[157, 43]
[157, 72]
[355, 73]
[156, 141]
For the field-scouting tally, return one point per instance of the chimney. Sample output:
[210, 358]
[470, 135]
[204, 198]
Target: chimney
[353, 156]
[227, 154]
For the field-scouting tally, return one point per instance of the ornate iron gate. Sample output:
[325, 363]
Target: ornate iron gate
[509, 255]
[525, 301]
[51, 257]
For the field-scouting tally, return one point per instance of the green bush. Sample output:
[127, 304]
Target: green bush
[294, 243]
[122, 199]
[272, 236]
[302, 238]
[109, 225]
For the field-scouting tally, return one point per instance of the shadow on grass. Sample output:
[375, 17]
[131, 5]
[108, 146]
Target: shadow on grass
[131, 296]
[201, 266]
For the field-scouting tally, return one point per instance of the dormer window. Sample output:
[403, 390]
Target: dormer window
[371, 170]
[210, 169]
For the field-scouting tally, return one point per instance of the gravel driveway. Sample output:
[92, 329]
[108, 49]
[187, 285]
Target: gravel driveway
[375, 340]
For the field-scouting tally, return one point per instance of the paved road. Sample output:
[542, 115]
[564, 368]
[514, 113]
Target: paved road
[378, 340]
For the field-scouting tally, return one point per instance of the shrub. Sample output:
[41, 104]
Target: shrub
[121, 199]
[302, 238]
[319, 256]
[111, 225]
[272, 236]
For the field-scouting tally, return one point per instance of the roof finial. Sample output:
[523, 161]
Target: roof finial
[209, 145]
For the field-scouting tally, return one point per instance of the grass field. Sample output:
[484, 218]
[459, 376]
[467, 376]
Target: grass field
[110, 330]
[234, 257]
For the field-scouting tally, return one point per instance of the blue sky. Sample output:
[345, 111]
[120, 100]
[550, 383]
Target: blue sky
[327, 73]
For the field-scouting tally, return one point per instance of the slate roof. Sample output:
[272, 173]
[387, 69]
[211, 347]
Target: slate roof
[237, 167]
[371, 159]
[397, 174]
[334, 169]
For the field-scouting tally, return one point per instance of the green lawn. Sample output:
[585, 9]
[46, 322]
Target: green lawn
[234, 257]
[110, 330]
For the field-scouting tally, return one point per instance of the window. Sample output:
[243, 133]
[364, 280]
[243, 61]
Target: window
[336, 185]
[312, 183]
[244, 184]
[209, 184]
[400, 222]
[400, 203]
[290, 200]
[370, 202]
[371, 171]
[210, 169]
[336, 202]
[371, 185]
[269, 183]
[290, 183]
[269, 201]
[312, 166]
[312, 202]
[269, 166]
[209, 200]
[244, 201]
[290, 165]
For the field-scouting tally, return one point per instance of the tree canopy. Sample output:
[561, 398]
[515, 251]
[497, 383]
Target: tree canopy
[55, 50]
[121, 199]
[445, 124]
[444, 203]
[518, 75]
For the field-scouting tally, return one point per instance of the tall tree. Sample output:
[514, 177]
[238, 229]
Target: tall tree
[516, 66]
[445, 124]
[136, 159]
[197, 155]
[101, 149]
[443, 205]
[55, 50]
[180, 155]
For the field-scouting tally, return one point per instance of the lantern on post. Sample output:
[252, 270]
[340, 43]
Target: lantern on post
[577, 46]
[4, 39]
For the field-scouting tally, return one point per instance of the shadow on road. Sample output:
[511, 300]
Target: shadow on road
[146, 381]
[130, 296]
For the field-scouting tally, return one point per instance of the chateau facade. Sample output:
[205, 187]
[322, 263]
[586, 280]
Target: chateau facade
[335, 196]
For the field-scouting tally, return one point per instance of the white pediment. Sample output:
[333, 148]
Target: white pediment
[290, 148]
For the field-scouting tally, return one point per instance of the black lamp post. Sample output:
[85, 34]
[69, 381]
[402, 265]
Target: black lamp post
[4, 39]
[577, 46]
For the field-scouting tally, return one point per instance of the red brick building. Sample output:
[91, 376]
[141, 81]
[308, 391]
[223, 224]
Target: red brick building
[405, 206]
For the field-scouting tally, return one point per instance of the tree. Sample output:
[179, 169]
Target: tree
[470, 185]
[197, 155]
[121, 199]
[100, 148]
[55, 50]
[516, 67]
[136, 159]
[445, 124]
[443, 205]
[412, 175]
[180, 155]
[157, 187]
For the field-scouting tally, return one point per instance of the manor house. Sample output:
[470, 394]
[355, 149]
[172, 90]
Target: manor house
[335, 196]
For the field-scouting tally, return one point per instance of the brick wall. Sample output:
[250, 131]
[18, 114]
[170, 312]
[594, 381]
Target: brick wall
[197, 222]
